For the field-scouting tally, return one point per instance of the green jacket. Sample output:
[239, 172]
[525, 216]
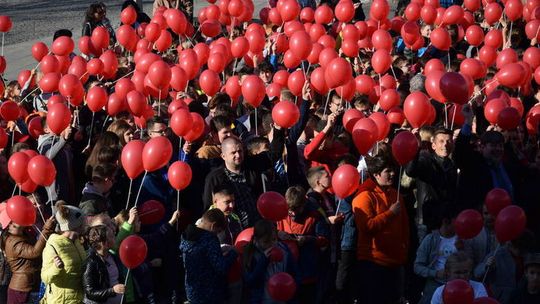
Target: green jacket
[64, 285]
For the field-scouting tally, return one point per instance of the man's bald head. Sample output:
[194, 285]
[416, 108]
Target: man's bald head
[232, 152]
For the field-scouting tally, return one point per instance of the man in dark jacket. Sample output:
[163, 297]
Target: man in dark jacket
[480, 171]
[436, 177]
[205, 264]
[243, 176]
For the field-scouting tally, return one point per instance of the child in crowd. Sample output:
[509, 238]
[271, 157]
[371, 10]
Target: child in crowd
[309, 228]
[95, 193]
[205, 264]
[102, 278]
[223, 199]
[433, 252]
[263, 257]
[528, 291]
[459, 266]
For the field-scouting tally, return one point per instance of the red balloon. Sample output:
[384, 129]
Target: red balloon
[307, 14]
[364, 84]
[177, 21]
[381, 39]
[179, 175]
[472, 5]
[453, 14]
[496, 200]
[5, 24]
[281, 287]
[508, 118]
[289, 10]
[318, 82]
[345, 181]
[468, 224]
[300, 44]
[440, 38]
[338, 72]
[458, 292]
[63, 46]
[209, 82]
[493, 108]
[21, 211]
[198, 128]
[58, 118]
[474, 35]
[404, 147]
[383, 125]
[39, 50]
[17, 167]
[181, 122]
[434, 65]
[510, 223]
[136, 102]
[454, 88]
[131, 158]
[326, 56]
[94, 66]
[233, 88]
[243, 239]
[364, 138]
[494, 38]
[160, 74]
[35, 128]
[323, 14]
[3, 138]
[151, 212]
[96, 98]
[389, 98]
[473, 68]
[296, 82]
[133, 251]
[10, 111]
[513, 9]
[100, 38]
[41, 170]
[272, 206]
[511, 75]
[211, 28]
[492, 13]
[381, 61]
[49, 64]
[350, 117]
[128, 15]
[416, 108]
[505, 57]
[412, 11]
[156, 153]
[253, 90]
[285, 114]
[379, 10]
[344, 11]
[488, 55]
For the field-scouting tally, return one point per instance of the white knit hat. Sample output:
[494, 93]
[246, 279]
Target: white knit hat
[69, 218]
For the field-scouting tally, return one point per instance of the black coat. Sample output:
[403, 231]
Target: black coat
[96, 283]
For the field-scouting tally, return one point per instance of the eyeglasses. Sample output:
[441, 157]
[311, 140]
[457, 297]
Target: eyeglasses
[160, 132]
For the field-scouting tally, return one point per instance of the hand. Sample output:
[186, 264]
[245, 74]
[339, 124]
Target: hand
[156, 262]
[395, 208]
[174, 217]
[336, 219]
[133, 215]
[66, 133]
[330, 122]
[306, 91]
[58, 262]
[491, 262]
[50, 223]
[119, 288]
[468, 114]
[187, 147]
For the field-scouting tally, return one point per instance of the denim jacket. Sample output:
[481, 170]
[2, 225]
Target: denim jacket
[348, 232]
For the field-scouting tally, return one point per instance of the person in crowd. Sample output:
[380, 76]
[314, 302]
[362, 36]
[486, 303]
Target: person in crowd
[383, 234]
[263, 257]
[23, 255]
[434, 250]
[486, 241]
[95, 194]
[106, 140]
[223, 199]
[436, 177]
[220, 129]
[102, 277]
[64, 258]
[242, 175]
[96, 16]
[480, 172]
[204, 262]
[502, 269]
[528, 291]
[310, 230]
[123, 131]
[459, 266]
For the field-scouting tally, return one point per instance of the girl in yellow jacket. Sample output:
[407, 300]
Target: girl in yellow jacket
[64, 258]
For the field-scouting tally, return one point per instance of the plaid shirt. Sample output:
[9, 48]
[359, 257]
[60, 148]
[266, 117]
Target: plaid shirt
[246, 205]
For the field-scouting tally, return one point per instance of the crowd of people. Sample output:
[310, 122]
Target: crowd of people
[323, 153]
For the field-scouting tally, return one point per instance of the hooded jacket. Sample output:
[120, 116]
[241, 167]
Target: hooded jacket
[383, 237]
[206, 267]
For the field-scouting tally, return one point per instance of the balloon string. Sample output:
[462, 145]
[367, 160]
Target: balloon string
[476, 95]
[140, 187]
[13, 137]
[104, 123]
[234, 67]
[129, 193]
[14, 190]
[488, 268]
[509, 39]
[453, 117]
[125, 283]
[50, 149]
[159, 103]
[393, 72]
[83, 75]
[256, 131]
[38, 208]
[124, 76]
[326, 104]
[445, 116]
[91, 128]
[40, 232]
[3, 34]
[27, 95]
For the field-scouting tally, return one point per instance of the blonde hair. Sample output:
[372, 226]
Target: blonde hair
[457, 258]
